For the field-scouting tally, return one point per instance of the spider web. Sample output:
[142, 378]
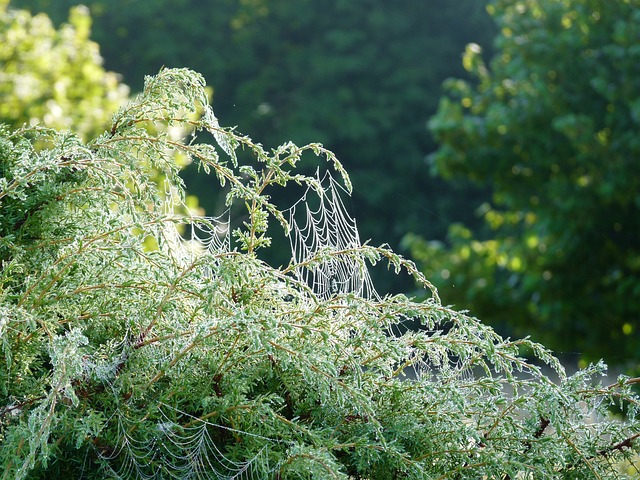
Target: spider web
[178, 451]
[173, 443]
[202, 233]
[324, 243]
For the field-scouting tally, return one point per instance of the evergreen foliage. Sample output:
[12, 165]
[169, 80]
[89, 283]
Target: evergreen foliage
[128, 352]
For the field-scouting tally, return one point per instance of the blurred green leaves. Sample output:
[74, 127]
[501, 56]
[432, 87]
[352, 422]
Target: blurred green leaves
[551, 125]
[54, 76]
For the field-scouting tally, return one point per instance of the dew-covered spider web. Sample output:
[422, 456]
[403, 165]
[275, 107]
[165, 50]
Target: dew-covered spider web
[325, 241]
[185, 450]
[199, 233]
[168, 443]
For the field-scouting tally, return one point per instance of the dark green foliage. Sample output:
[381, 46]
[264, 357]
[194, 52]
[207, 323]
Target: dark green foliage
[552, 128]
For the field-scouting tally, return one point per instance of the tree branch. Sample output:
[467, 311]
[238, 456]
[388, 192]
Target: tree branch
[626, 443]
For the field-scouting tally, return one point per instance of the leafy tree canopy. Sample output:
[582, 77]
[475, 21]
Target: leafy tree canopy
[129, 352]
[552, 127]
[54, 76]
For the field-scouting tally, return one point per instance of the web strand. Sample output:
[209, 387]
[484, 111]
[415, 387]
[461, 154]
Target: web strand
[179, 452]
[204, 234]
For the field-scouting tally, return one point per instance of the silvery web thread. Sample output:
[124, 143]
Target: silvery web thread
[328, 228]
[179, 451]
[205, 233]
[173, 450]
[225, 142]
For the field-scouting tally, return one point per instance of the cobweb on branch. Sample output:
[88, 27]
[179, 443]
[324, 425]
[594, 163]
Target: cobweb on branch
[201, 233]
[325, 243]
[179, 451]
[218, 133]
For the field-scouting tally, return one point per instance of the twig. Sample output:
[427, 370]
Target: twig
[626, 443]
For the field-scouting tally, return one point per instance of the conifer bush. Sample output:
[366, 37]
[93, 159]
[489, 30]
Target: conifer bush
[139, 341]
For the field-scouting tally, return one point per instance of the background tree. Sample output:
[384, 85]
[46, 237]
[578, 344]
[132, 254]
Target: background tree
[54, 76]
[360, 76]
[552, 127]
[130, 353]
